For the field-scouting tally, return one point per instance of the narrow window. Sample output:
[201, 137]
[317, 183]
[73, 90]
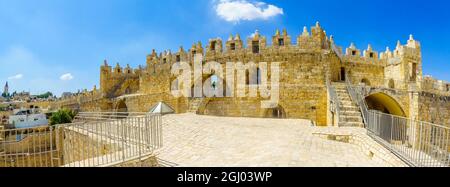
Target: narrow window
[342, 74]
[371, 55]
[414, 72]
[232, 46]
[247, 77]
[164, 60]
[353, 53]
[213, 45]
[281, 42]
[255, 47]
[178, 58]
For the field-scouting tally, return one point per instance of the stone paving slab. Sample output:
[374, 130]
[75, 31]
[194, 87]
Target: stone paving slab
[206, 141]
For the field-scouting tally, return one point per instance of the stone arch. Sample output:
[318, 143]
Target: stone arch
[277, 112]
[365, 81]
[121, 107]
[385, 103]
[206, 77]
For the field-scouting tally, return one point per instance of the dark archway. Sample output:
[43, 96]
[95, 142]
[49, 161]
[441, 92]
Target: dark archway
[215, 83]
[122, 108]
[385, 104]
[277, 112]
[342, 74]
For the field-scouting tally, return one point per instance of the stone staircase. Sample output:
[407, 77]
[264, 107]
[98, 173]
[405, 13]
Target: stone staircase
[350, 114]
[194, 105]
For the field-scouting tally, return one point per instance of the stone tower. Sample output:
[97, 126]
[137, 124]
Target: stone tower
[105, 75]
[404, 64]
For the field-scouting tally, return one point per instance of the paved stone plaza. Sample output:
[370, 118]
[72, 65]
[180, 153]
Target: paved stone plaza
[205, 141]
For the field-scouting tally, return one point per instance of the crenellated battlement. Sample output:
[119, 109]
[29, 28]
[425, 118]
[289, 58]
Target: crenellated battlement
[410, 50]
[256, 44]
[256, 48]
[367, 56]
[282, 47]
[313, 40]
[433, 85]
[119, 71]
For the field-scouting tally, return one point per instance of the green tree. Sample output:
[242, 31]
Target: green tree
[62, 116]
[45, 95]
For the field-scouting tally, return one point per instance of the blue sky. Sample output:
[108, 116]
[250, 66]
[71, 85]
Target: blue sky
[54, 45]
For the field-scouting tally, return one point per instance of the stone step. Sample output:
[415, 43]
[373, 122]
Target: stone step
[351, 105]
[342, 94]
[346, 102]
[350, 113]
[351, 119]
[349, 108]
[340, 87]
[345, 98]
[351, 124]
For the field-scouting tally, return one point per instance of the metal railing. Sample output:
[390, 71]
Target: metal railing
[334, 101]
[418, 143]
[30, 147]
[93, 140]
[356, 94]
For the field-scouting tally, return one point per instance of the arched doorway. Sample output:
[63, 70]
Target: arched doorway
[121, 108]
[385, 104]
[216, 82]
[342, 74]
[277, 112]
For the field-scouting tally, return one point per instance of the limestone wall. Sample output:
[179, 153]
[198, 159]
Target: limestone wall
[370, 74]
[36, 149]
[434, 108]
[78, 146]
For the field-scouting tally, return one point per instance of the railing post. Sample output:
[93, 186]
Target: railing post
[123, 137]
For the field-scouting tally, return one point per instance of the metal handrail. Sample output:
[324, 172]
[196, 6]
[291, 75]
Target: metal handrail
[356, 96]
[96, 141]
[334, 101]
[418, 143]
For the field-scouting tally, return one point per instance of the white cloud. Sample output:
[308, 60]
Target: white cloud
[237, 10]
[66, 77]
[15, 77]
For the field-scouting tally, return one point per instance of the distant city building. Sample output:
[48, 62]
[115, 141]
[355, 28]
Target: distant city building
[66, 95]
[6, 90]
[23, 96]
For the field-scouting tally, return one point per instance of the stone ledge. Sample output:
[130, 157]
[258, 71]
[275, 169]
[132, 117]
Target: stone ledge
[366, 145]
